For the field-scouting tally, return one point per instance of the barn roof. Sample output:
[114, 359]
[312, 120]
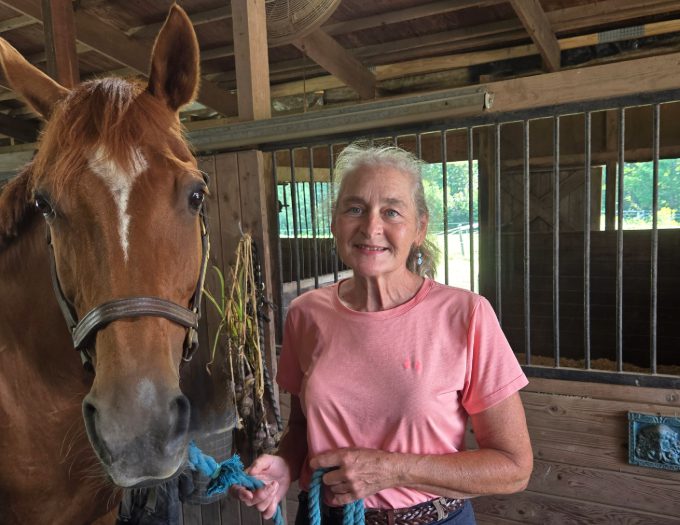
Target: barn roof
[404, 46]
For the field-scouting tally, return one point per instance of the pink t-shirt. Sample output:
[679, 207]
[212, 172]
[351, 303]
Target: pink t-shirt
[400, 380]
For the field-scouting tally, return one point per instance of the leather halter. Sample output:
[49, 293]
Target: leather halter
[83, 332]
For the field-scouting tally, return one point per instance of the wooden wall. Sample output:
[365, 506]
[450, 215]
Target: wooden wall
[579, 433]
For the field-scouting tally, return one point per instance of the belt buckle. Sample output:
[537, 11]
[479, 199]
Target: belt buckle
[441, 511]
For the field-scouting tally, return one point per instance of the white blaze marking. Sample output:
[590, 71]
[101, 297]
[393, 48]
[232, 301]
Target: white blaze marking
[120, 183]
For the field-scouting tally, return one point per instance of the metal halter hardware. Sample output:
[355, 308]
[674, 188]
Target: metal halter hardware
[83, 332]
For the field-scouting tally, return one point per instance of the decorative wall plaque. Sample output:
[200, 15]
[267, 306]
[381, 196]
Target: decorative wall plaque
[654, 441]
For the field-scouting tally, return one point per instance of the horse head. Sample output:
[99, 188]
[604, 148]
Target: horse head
[122, 196]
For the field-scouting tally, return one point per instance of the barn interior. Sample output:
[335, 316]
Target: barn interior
[551, 129]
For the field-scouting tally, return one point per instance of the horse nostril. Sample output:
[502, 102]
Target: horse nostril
[90, 417]
[180, 412]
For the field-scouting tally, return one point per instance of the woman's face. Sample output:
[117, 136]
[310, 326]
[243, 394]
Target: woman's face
[376, 223]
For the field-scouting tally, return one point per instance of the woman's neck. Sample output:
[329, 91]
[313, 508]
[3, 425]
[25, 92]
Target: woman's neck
[373, 294]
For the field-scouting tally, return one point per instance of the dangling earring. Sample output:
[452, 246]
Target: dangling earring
[419, 258]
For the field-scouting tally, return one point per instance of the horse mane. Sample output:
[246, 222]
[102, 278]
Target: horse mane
[113, 117]
[15, 208]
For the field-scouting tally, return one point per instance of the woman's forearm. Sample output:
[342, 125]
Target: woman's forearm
[463, 474]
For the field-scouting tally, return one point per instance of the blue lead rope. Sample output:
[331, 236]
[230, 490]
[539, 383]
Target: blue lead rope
[230, 472]
[224, 475]
[353, 513]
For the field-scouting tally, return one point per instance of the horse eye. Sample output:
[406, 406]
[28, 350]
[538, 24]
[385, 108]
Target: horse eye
[196, 199]
[43, 206]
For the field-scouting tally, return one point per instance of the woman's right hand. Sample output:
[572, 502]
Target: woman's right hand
[275, 473]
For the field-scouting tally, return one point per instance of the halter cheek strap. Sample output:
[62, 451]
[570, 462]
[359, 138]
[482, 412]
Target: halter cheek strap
[83, 332]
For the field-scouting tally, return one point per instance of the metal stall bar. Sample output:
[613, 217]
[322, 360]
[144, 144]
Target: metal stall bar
[331, 178]
[586, 239]
[654, 263]
[293, 204]
[312, 210]
[471, 207]
[445, 206]
[526, 185]
[497, 216]
[419, 146]
[556, 240]
[279, 292]
[619, 244]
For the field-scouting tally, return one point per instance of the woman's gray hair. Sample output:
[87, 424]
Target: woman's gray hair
[356, 156]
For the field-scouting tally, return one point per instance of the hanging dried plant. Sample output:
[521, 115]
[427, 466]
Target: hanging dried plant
[240, 331]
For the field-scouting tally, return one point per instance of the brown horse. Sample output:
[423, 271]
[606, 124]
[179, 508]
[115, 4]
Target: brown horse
[121, 195]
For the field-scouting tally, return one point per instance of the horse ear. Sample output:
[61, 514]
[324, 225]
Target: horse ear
[175, 61]
[39, 90]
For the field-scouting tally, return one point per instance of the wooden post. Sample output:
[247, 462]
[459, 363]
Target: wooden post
[60, 42]
[251, 56]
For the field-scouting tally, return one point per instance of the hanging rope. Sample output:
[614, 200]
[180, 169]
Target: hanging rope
[230, 472]
[224, 475]
[353, 513]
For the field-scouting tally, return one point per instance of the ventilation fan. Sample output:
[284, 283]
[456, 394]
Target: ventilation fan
[288, 20]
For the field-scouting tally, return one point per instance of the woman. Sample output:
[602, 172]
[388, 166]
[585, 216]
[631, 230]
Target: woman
[384, 369]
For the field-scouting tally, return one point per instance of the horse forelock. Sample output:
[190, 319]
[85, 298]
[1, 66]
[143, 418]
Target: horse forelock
[110, 121]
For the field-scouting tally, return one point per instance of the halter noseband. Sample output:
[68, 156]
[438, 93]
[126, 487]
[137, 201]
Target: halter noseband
[83, 332]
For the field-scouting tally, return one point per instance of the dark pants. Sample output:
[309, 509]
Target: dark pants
[463, 516]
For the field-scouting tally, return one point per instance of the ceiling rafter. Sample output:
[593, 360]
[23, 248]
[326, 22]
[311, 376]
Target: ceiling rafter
[537, 25]
[339, 62]
[114, 44]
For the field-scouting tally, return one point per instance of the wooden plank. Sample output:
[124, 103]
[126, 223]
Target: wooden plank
[255, 215]
[537, 25]
[485, 519]
[19, 128]
[16, 23]
[114, 44]
[582, 483]
[577, 448]
[192, 514]
[339, 62]
[60, 42]
[647, 75]
[251, 56]
[230, 511]
[539, 509]
[657, 396]
[211, 513]
[197, 19]
[395, 16]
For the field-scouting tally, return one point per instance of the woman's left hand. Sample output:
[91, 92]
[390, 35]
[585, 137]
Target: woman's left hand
[356, 472]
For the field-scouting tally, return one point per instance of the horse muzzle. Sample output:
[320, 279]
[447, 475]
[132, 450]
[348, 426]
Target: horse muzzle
[138, 445]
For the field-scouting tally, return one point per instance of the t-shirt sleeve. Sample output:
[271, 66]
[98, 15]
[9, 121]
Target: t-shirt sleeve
[493, 373]
[289, 374]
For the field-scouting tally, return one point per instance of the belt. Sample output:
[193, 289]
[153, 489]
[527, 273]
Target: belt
[420, 514]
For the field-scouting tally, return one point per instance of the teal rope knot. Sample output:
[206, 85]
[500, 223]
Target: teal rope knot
[353, 513]
[224, 475]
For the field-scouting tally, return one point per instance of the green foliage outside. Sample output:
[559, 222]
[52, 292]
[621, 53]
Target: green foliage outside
[637, 194]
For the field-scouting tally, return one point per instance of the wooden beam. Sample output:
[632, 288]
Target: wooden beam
[434, 64]
[537, 25]
[339, 62]
[646, 75]
[19, 128]
[16, 23]
[60, 42]
[197, 19]
[251, 56]
[403, 15]
[114, 44]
